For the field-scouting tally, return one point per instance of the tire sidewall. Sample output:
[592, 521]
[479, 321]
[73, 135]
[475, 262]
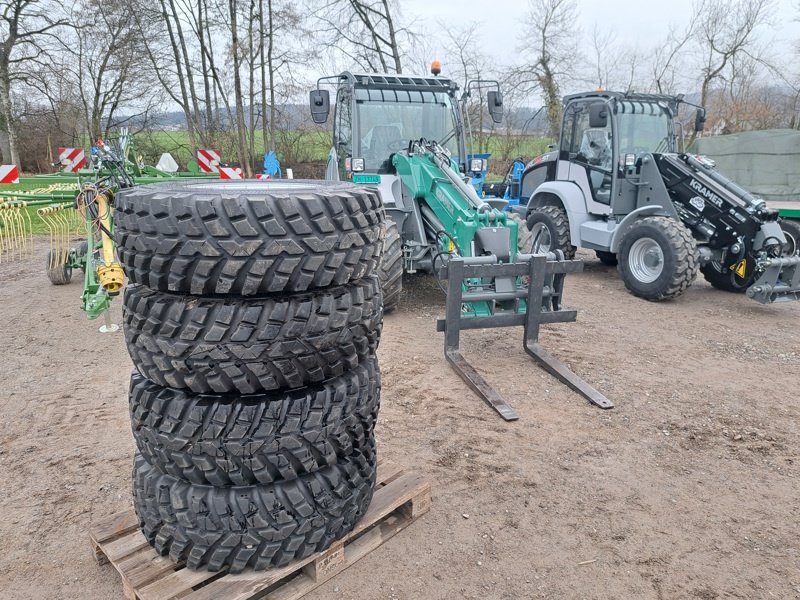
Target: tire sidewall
[664, 280]
[540, 217]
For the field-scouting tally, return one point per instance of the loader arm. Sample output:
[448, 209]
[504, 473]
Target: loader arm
[431, 178]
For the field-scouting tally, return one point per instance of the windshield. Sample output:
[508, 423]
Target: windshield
[388, 119]
[643, 127]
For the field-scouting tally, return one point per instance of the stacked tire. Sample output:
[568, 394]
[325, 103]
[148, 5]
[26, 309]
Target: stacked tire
[252, 317]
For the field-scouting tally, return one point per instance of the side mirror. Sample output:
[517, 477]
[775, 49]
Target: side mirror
[700, 120]
[495, 100]
[320, 102]
[598, 115]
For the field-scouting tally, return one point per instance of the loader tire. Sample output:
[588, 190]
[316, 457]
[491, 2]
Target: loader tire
[607, 258]
[390, 270]
[724, 278]
[251, 345]
[791, 229]
[498, 189]
[82, 254]
[524, 237]
[247, 237]
[58, 272]
[245, 440]
[658, 258]
[549, 227]
[259, 526]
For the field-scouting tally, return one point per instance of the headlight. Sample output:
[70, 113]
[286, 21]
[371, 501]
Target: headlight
[476, 165]
[357, 164]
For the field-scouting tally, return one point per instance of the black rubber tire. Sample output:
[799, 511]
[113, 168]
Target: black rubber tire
[723, 278]
[246, 440]
[240, 527]
[251, 345]
[57, 272]
[497, 188]
[791, 229]
[607, 258]
[81, 252]
[390, 270]
[679, 250]
[557, 223]
[523, 233]
[247, 237]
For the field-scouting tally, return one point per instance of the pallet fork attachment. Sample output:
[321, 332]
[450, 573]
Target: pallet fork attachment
[542, 296]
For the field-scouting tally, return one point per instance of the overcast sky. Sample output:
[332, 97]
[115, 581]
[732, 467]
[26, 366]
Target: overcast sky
[639, 23]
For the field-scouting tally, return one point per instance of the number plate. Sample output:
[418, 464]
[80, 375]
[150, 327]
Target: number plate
[373, 179]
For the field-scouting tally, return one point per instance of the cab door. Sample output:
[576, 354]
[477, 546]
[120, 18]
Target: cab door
[586, 157]
[342, 136]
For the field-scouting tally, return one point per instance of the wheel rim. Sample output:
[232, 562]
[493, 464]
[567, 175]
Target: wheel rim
[541, 241]
[646, 260]
[790, 249]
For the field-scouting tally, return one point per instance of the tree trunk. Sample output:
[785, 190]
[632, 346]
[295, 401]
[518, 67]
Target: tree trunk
[187, 111]
[10, 154]
[204, 64]
[271, 68]
[237, 89]
[392, 38]
[263, 71]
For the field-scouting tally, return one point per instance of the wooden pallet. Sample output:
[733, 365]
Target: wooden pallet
[400, 498]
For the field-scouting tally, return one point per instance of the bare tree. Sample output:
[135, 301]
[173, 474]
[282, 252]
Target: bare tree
[550, 49]
[726, 29]
[24, 27]
[666, 63]
[365, 31]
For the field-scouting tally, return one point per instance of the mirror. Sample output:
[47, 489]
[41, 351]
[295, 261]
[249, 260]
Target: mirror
[598, 115]
[320, 102]
[700, 120]
[495, 101]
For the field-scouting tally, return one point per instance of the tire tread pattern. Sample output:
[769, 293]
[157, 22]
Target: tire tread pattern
[260, 439]
[684, 249]
[214, 238]
[390, 271]
[251, 345]
[257, 527]
[560, 226]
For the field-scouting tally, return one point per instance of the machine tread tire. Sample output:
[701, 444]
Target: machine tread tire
[390, 270]
[259, 526]
[680, 258]
[607, 258]
[251, 345]
[245, 440]
[791, 229]
[247, 237]
[723, 279]
[556, 220]
[498, 188]
[58, 274]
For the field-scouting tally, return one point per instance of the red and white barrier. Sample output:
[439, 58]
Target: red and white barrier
[263, 176]
[72, 159]
[208, 160]
[230, 173]
[9, 174]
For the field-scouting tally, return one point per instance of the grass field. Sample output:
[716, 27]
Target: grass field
[295, 147]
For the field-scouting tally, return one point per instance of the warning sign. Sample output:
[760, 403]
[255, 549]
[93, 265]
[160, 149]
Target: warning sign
[740, 268]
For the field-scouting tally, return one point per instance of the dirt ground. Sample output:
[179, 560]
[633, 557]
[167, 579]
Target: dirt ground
[687, 489]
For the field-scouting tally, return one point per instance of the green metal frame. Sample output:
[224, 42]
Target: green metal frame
[422, 172]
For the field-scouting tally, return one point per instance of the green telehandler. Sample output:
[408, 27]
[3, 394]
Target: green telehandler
[405, 136]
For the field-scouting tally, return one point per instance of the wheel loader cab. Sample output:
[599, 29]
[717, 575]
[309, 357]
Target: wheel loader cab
[586, 153]
[378, 115]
